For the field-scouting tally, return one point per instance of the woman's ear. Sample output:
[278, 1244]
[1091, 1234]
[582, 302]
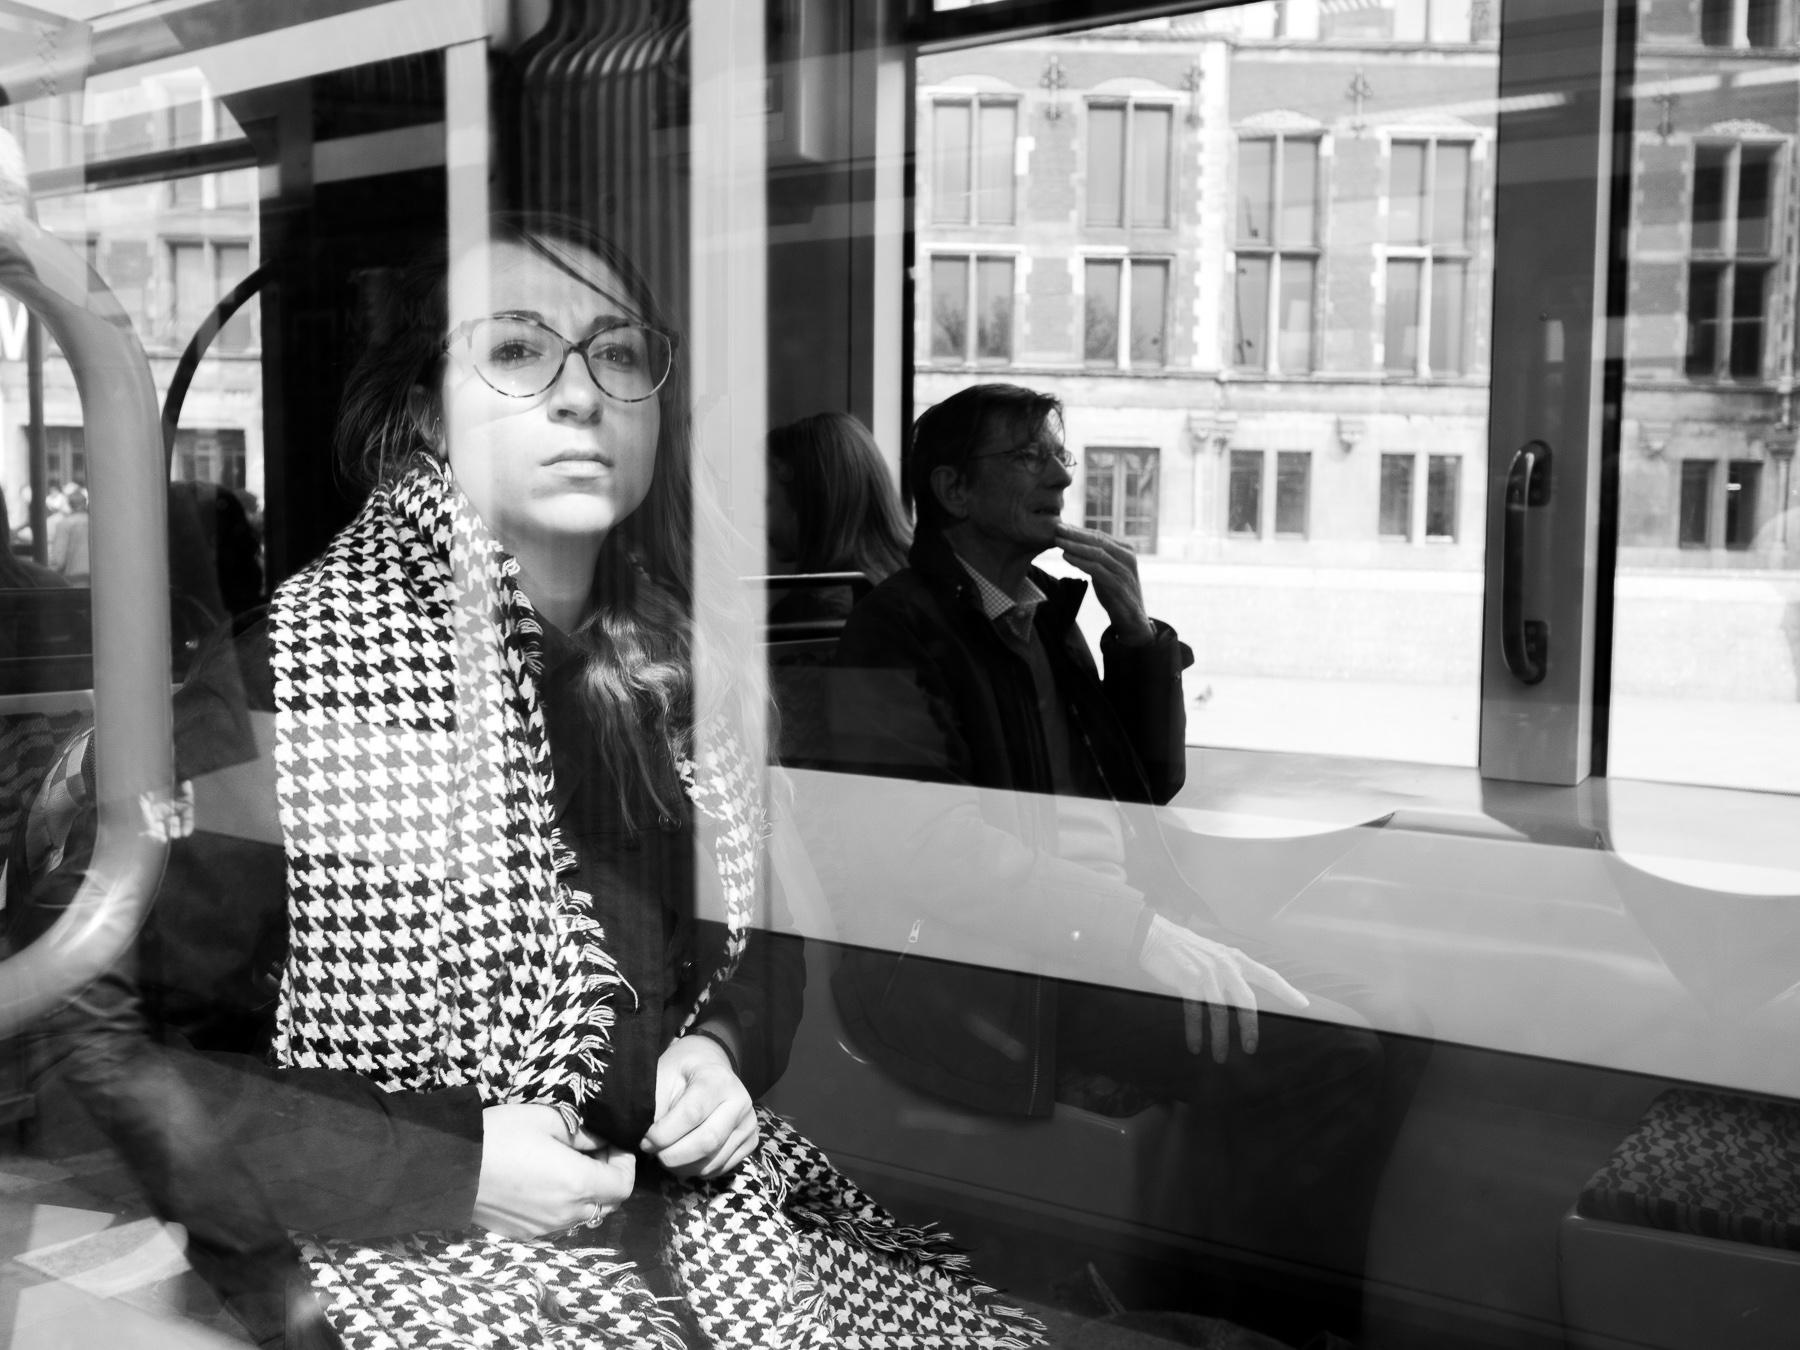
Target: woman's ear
[951, 487]
[427, 420]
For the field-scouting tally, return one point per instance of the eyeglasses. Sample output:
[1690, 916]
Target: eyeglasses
[1034, 457]
[521, 358]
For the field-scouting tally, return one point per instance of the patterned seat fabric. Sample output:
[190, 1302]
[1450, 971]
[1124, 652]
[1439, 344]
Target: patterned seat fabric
[1706, 1163]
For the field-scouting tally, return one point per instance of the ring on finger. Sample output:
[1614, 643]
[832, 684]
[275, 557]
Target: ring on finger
[593, 1216]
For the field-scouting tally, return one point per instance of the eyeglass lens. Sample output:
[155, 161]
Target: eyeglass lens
[522, 358]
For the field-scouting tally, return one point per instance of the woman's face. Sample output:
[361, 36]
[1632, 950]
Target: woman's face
[563, 467]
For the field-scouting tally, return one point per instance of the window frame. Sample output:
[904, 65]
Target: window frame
[1122, 360]
[1727, 260]
[1276, 251]
[1428, 253]
[1130, 102]
[974, 257]
[975, 100]
[1120, 499]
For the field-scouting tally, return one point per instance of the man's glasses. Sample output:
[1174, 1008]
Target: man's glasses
[521, 358]
[1035, 457]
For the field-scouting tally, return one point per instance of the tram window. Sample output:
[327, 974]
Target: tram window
[1271, 335]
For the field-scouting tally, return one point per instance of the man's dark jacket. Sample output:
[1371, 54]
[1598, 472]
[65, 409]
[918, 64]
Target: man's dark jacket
[973, 1034]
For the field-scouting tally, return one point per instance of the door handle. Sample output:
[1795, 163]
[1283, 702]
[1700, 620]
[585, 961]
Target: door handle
[1524, 643]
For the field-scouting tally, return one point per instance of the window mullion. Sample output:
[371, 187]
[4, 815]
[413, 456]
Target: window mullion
[1553, 174]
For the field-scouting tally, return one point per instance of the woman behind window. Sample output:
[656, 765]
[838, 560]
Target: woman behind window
[479, 1005]
[832, 507]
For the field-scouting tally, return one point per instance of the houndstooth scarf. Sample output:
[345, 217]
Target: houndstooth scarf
[435, 942]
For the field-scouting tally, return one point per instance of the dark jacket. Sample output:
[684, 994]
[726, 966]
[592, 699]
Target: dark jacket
[169, 1052]
[926, 690]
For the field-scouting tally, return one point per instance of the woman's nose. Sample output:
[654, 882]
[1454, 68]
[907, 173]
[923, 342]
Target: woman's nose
[1058, 474]
[575, 396]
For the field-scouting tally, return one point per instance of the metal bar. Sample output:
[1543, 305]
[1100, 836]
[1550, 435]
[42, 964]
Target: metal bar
[133, 741]
[1552, 235]
[36, 451]
[214, 157]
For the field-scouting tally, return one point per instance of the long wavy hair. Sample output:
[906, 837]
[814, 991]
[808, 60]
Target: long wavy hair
[638, 684]
[845, 502]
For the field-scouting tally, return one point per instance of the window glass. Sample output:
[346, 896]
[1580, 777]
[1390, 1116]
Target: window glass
[1704, 296]
[950, 308]
[1443, 487]
[1293, 486]
[1762, 22]
[1695, 520]
[1299, 179]
[1396, 496]
[1298, 282]
[1100, 325]
[1403, 296]
[952, 130]
[1406, 193]
[1150, 165]
[1710, 166]
[1756, 180]
[999, 122]
[1256, 191]
[994, 309]
[1450, 196]
[1120, 495]
[1709, 519]
[1250, 312]
[1740, 503]
[1149, 312]
[1106, 165]
[1715, 22]
[1449, 281]
[1243, 501]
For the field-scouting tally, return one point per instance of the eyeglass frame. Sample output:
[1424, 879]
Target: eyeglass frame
[1032, 456]
[463, 329]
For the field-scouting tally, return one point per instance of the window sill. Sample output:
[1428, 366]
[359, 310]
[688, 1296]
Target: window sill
[1646, 927]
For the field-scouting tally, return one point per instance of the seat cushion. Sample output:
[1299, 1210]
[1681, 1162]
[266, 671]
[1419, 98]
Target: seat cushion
[1706, 1163]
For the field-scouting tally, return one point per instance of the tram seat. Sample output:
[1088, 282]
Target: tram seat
[1689, 1237]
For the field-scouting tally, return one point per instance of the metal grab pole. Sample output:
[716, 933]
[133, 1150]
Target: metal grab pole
[127, 511]
[39, 467]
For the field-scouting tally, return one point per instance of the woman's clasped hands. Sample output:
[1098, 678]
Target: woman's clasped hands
[535, 1179]
[705, 1123]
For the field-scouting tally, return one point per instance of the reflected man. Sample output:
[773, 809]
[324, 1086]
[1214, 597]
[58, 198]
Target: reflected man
[1037, 862]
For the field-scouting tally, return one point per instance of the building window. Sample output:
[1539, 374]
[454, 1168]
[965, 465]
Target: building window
[1125, 312]
[1433, 21]
[1119, 496]
[1293, 492]
[1396, 497]
[973, 151]
[1732, 263]
[971, 309]
[1277, 247]
[1443, 490]
[1128, 163]
[1740, 23]
[65, 456]
[1243, 499]
[231, 264]
[1741, 480]
[200, 275]
[211, 456]
[1696, 502]
[1429, 252]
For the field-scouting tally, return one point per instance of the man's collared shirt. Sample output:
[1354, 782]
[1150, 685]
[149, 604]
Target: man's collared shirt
[1013, 612]
[1090, 832]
